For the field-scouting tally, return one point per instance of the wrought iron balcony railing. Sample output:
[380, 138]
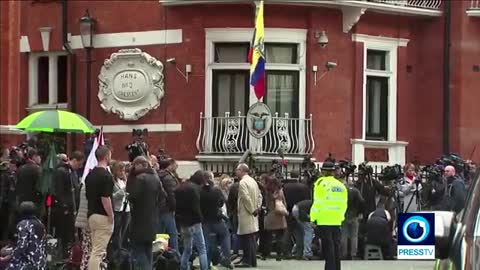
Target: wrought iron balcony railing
[229, 135]
[426, 4]
[421, 4]
[475, 4]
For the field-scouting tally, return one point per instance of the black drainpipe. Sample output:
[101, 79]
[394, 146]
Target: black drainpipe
[73, 65]
[446, 78]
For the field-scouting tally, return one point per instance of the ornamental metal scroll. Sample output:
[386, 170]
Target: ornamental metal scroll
[131, 83]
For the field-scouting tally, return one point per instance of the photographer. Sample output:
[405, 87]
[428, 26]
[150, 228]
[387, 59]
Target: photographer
[410, 198]
[369, 188]
[138, 147]
[379, 231]
[351, 223]
[456, 193]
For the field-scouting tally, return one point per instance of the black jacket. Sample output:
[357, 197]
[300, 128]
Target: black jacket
[63, 178]
[304, 210]
[27, 177]
[211, 202]
[456, 194]
[232, 200]
[188, 210]
[145, 194]
[356, 203]
[294, 193]
[378, 228]
[169, 183]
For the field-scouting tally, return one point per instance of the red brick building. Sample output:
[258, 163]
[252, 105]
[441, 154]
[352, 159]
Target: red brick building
[381, 97]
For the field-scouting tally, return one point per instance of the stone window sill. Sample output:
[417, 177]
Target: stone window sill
[380, 144]
[46, 107]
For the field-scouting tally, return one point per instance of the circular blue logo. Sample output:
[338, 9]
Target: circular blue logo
[416, 229]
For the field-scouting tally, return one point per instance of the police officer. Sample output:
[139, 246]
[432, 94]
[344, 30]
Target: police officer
[330, 198]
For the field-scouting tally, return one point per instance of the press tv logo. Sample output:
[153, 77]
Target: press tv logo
[416, 236]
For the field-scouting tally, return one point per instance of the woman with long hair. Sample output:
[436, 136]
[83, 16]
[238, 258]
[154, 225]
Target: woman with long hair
[275, 221]
[121, 206]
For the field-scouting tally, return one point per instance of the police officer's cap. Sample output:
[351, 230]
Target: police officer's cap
[328, 166]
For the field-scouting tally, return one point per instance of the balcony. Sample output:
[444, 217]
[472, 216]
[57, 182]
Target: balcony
[227, 138]
[412, 7]
[474, 9]
[352, 10]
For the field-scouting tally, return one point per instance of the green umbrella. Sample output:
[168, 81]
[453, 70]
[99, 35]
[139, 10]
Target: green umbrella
[55, 121]
[46, 185]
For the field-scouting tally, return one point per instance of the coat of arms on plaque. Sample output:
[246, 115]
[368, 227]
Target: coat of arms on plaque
[259, 119]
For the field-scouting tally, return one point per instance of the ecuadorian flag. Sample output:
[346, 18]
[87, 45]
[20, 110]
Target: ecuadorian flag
[257, 56]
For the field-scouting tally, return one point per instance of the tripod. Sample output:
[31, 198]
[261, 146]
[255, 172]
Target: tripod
[417, 196]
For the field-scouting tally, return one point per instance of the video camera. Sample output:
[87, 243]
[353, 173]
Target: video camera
[138, 147]
[347, 167]
[391, 173]
[310, 170]
[365, 169]
[434, 172]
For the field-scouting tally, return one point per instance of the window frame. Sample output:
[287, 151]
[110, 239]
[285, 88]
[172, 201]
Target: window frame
[241, 35]
[297, 82]
[215, 89]
[383, 133]
[52, 77]
[389, 45]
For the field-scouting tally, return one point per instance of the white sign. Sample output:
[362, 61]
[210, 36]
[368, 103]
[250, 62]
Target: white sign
[131, 84]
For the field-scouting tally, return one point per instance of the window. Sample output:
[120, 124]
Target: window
[231, 87]
[377, 108]
[282, 92]
[281, 53]
[377, 60]
[47, 78]
[231, 52]
[230, 91]
[377, 95]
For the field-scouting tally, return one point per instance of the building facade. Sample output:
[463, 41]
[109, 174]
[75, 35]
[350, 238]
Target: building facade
[396, 82]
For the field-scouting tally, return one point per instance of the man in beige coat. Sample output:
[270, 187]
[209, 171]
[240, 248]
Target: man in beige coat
[249, 204]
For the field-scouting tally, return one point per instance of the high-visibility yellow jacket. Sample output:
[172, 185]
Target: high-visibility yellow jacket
[330, 197]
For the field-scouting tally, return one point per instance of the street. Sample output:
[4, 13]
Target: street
[347, 265]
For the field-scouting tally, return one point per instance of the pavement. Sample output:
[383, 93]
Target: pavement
[346, 265]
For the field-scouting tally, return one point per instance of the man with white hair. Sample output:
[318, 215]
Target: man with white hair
[456, 193]
[249, 204]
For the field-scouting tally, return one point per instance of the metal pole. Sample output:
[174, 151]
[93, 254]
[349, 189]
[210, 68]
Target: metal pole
[88, 55]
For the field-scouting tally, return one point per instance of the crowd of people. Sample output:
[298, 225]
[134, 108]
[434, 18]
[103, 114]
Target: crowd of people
[120, 207]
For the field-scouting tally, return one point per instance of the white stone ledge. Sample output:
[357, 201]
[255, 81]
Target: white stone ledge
[150, 127]
[11, 130]
[123, 39]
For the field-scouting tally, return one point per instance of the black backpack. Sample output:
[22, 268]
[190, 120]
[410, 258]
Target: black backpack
[122, 260]
[168, 260]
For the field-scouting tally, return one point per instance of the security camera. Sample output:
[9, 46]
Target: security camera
[330, 65]
[322, 39]
[172, 61]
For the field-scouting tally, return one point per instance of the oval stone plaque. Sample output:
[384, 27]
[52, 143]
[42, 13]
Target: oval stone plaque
[129, 86]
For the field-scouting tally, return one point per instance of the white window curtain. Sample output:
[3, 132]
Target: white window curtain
[281, 53]
[374, 105]
[231, 93]
[282, 92]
